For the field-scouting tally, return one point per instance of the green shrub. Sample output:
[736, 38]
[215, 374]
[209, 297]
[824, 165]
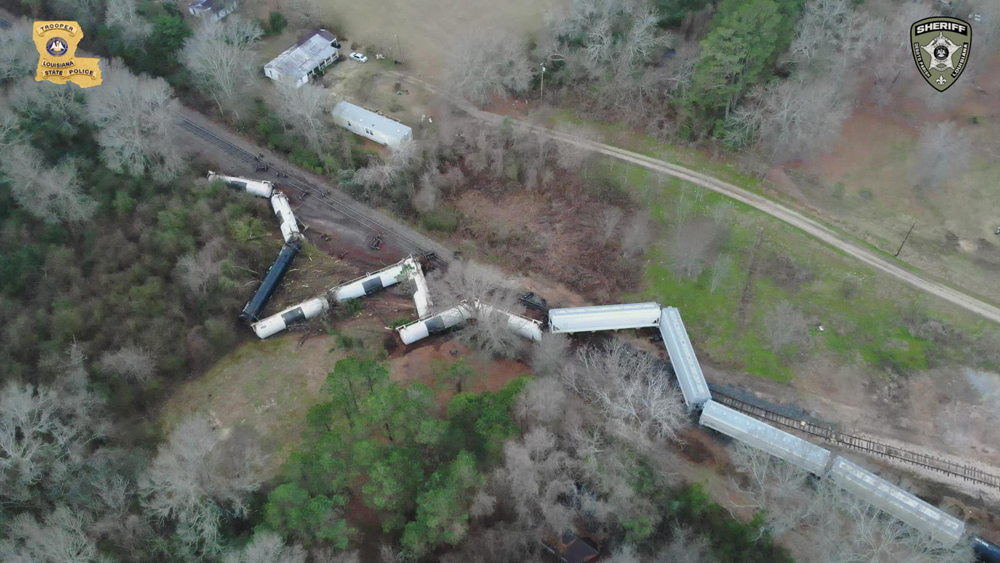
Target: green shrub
[442, 219]
[277, 22]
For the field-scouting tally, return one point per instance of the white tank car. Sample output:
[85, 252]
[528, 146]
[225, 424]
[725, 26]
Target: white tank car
[259, 188]
[371, 283]
[282, 209]
[528, 328]
[422, 295]
[295, 314]
[433, 325]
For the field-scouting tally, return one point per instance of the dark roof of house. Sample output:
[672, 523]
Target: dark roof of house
[579, 551]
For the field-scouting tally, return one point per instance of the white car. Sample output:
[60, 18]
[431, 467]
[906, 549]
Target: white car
[359, 57]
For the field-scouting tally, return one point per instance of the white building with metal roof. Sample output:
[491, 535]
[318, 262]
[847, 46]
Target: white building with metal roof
[689, 375]
[763, 436]
[305, 59]
[212, 9]
[371, 125]
[906, 507]
[604, 317]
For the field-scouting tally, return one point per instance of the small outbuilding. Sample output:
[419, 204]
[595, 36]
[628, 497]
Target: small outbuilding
[371, 125]
[212, 9]
[307, 58]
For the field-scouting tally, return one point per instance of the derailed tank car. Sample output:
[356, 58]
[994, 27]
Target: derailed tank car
[433, 325]
[295, 314]
[283, 210]
[259, 188]
[252, 310]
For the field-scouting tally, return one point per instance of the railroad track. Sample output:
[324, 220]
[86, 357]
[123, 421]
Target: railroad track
[867, 445]
[331, 199]
[4, 24]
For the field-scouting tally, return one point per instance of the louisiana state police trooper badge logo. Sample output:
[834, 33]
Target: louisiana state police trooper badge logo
[941, 47]
[57, 47]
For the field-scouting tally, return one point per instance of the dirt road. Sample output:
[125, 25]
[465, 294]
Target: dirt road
[839, 241]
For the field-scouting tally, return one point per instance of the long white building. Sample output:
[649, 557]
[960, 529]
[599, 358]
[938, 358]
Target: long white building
[368, 124]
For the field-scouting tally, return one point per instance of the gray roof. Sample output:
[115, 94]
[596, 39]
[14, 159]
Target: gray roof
[213, 6]
[303, 57]
[604, 317]
[686, 366]
[372, 120]
[906, 507]
[763, 436]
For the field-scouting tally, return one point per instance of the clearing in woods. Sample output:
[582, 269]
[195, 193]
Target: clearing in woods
[425, 31]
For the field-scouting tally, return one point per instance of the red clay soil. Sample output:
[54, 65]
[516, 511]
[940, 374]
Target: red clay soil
[416, 363]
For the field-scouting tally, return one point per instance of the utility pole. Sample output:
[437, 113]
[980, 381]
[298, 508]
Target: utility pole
[904, 239]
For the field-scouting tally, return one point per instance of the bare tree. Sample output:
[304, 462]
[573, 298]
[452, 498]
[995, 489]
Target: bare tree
[267, 547]
[379, 176]
[132, 28]
[484, 65]
[198, 270]
[18, 57]
[489, 298]
[550, 355]
[801, 118]
[774, 486]
[331, 555]
[542, 402]
[196, 475]
[944, 151]
[10, 133]
[848, 529]
[132, 363]
[607, 222]
[306, 109]
[688, 253]
[44, 432]
[637, 237]
[427, 195]
[222, 60]
[630, 390]
[135, 115]
[786, 330]
[685, 546]
[720, 270]
[51, 194]
[60, 537]
[890, 49]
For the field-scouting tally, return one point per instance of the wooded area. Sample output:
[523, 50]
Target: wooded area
[122, 273]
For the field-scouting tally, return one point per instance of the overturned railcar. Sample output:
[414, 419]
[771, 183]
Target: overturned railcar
[259, 188]
[283, 211]
[522, 326]
[906, 507]
[604, 317]
[375, 282]
[761, 435]
[293, 315]
[686, 366]
[252, 310]
[434, 325]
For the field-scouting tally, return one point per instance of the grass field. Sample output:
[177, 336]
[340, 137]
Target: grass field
[866, 317]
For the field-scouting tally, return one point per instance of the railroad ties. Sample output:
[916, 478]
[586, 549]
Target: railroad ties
[859, 443]
[339, 204]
